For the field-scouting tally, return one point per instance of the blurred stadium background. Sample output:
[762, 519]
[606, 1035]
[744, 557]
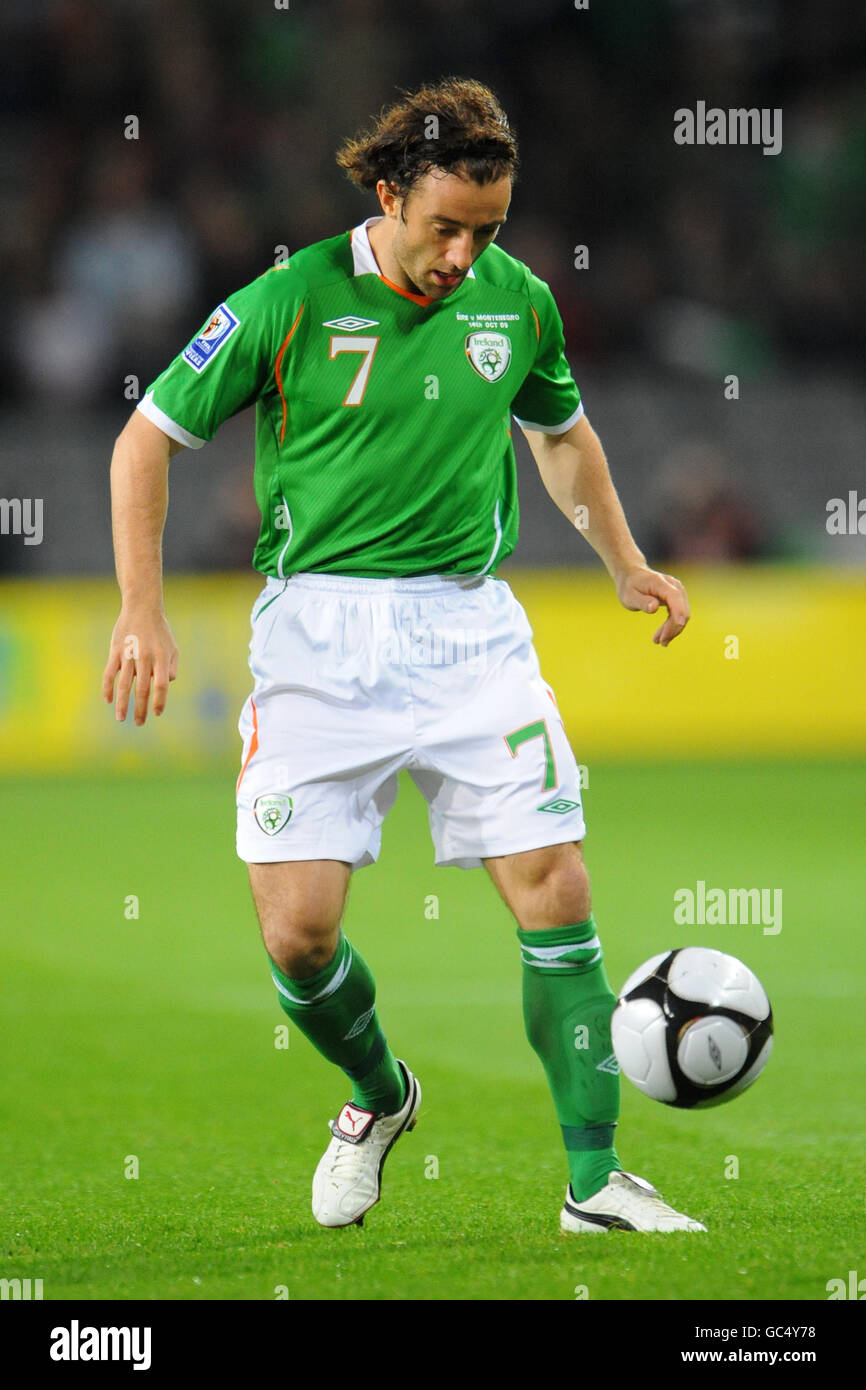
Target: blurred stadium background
[704, 262]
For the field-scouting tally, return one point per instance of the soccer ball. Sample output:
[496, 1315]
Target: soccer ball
[692, 1027]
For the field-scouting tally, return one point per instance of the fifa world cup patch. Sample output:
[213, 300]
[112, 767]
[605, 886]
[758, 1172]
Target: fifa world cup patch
[215, 334]
[489, 354]
[272, 812]
[352, 1123]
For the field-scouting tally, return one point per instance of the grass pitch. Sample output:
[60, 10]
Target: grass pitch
[147, 1044]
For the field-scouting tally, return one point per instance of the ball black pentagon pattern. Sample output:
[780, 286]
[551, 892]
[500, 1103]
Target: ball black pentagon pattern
[680, 1013]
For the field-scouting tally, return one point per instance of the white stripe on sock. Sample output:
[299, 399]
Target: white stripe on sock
[543, 953]
[323, 993]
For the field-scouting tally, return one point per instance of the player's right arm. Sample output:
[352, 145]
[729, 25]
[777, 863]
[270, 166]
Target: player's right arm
[142, 648]
[227, 366]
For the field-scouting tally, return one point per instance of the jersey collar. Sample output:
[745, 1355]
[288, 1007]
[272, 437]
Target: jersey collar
[365, 262]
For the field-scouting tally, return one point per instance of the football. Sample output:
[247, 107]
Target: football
[692, 1027]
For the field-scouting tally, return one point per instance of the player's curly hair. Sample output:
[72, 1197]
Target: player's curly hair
[456, 125]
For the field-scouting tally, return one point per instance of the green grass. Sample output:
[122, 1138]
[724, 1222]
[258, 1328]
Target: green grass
[155, 1038]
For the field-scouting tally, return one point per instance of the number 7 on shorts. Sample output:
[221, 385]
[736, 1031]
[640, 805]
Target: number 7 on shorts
[536, 730]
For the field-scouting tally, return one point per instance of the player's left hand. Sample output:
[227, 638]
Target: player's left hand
[644, 590]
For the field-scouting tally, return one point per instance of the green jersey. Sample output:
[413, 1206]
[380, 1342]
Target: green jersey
[383, 439]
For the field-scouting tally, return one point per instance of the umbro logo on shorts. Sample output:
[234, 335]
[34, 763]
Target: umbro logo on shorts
[272, 812]
[351, 323]
[559, 806]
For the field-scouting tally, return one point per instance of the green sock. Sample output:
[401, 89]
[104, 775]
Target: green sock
[335, 1010]
[567, 1004]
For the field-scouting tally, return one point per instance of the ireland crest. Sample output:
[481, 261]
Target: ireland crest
[273, 812]
[489, 353]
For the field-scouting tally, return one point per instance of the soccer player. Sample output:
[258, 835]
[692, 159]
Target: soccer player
[386, 363]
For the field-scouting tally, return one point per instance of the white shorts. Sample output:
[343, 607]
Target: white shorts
[358, 679]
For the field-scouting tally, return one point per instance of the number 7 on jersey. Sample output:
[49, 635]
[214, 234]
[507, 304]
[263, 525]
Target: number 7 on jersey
[368, 346]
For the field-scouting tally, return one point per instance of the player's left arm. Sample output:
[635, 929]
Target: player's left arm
[574, 471]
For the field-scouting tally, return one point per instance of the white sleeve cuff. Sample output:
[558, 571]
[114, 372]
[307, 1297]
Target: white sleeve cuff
[552, 429]
[168, 426]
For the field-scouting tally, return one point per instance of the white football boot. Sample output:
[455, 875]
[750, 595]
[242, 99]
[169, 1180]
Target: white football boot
[348, 1180]
[626, 1203]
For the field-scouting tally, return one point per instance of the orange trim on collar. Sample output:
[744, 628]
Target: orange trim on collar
[422, 299]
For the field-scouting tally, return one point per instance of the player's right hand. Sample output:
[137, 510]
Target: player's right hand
[643, 590]
[142, 649]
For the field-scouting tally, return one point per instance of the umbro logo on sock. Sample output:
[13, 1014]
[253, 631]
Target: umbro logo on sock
[360, 1024]
[610, 1064]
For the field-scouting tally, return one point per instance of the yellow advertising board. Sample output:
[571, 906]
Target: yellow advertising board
[772, 663]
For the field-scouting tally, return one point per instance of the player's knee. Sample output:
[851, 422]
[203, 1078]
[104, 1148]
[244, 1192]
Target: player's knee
[300, 907]
[551, 888]
[299, 950]
[536, 867]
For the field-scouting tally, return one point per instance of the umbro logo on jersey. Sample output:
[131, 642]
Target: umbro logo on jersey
[351, 324]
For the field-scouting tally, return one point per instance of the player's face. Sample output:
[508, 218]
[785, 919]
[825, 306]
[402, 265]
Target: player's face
[442, 226]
